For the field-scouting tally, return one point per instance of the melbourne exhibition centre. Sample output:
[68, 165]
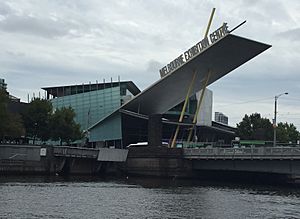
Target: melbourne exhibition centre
[176, 109]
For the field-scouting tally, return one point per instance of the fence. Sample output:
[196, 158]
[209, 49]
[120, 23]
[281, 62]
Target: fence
[243, 153]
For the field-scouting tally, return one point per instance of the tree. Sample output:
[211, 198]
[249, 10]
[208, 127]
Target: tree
[3, 113]
[11, 125]
[254, 127]
[63, 126]
[37, 119]
[287, 133]
[15, 128]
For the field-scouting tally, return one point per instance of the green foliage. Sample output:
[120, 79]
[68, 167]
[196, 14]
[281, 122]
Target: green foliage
[64, 127]
[11, 124]
[15, 128]
[254, 127]
[287, 133]
[37, 119]
[3, 112]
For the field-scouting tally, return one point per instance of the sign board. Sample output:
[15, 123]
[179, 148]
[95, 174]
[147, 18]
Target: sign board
[195, 50]
[111, 154]
[43, 152]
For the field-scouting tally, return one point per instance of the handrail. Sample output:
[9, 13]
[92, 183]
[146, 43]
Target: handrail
[243, 153]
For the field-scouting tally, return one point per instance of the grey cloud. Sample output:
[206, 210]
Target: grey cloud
[250, 3]
[31, 25]
[265, 10]
[46, 25]
[292, 34]
[153, 66]
[15, 54]
[5, 9]
[86, 40]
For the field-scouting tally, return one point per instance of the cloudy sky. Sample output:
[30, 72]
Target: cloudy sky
[62, 42]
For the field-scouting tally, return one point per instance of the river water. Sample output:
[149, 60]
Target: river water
[81, 197]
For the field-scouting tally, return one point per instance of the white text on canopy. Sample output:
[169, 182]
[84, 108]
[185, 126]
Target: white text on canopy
[195, 50]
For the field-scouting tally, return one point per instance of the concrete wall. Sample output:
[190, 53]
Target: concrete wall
[20, 152]
[205, 113]
[111, 154]
[22, 159]
[157, 161]
[260, 166]
[82, 166]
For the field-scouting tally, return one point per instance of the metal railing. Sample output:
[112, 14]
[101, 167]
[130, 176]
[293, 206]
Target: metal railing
[65, 151]
[243, 153]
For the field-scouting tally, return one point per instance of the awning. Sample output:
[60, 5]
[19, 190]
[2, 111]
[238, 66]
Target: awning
[220, 58]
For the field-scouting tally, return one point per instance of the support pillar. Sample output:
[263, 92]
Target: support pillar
[155, 130]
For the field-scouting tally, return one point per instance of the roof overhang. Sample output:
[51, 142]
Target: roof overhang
[91, 87]
[140, 116]
[220, 58]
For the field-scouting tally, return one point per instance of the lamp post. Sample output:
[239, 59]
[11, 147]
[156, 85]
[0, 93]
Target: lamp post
[275, 115]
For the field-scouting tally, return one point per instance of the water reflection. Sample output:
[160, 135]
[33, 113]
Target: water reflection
[94, 197]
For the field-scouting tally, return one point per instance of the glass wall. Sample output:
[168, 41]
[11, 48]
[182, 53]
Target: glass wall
[91, 106]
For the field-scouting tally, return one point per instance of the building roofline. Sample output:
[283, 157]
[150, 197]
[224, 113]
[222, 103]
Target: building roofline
[222, 124]
[92, 87]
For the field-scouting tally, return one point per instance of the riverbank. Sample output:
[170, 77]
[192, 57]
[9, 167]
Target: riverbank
[262, 165]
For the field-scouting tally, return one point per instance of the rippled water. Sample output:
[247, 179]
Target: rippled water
[43, 197]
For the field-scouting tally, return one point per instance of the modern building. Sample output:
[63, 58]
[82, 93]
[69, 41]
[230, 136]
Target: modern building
[93, 102]
[117, 113]
[221, 118]
[205, 67]
[205, 114]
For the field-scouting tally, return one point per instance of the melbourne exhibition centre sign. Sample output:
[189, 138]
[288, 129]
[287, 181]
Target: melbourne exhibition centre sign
[219, 53]
[195, 50]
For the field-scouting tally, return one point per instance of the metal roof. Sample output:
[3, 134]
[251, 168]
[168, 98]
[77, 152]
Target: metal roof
[81, 88]
[221, 58]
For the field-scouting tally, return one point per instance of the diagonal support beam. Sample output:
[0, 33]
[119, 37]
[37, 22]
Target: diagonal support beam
[199, 105]
[209, 22]
[207, 79]
[191, 86]
[184, 108]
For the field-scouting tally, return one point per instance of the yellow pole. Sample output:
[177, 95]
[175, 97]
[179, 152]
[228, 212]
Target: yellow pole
[183, 108]
[191, 85]
[203, 90]
[198, 106]
[209, 22]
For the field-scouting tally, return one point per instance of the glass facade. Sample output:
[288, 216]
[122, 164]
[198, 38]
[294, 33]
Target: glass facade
[204, 115]
[174, 113]
[90, 107]
[94, 102]
[221, 118]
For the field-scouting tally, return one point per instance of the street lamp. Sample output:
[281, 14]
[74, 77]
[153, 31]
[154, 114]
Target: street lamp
[275, 115]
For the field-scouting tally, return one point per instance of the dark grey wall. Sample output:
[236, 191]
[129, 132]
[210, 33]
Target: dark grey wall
[20, 152]
[263, 166]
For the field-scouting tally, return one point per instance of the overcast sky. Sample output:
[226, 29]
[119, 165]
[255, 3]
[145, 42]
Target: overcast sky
[63, 42]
